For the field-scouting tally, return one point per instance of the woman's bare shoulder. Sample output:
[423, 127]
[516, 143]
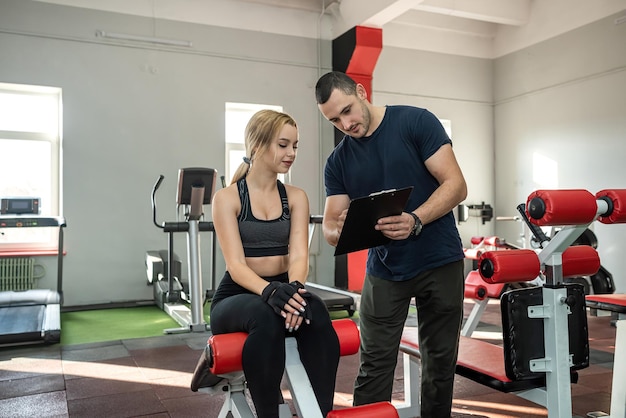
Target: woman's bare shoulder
[227, 196]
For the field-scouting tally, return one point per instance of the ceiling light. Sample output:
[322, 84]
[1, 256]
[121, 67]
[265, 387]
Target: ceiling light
[138, 38]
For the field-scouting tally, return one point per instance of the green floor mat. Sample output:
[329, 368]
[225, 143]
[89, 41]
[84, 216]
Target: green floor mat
[113, 324]
[90, 326]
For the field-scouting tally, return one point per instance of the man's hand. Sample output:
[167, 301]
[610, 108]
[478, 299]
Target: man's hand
[397, 227]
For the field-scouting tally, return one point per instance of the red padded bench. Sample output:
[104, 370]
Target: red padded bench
[611, 302]
[226, 349]
[478, 360]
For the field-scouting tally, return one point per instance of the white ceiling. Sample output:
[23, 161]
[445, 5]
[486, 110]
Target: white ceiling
[479, 28]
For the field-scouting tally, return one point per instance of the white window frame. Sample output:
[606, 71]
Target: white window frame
[13, 128]
[237, 116]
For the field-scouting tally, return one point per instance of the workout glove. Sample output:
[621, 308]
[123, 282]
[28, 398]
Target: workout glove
[277, 295]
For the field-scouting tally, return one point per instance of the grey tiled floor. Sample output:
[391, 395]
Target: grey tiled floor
[150, 377]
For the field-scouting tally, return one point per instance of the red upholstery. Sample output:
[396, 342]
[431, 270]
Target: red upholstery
[580, 260]
[349, 338]
[612, 302]
[493, 240]
[617, 299]
[473, 253]
[475, 291]
[473, 284]
[374, 410]
[511, 266]
[476, 240]
[564, 207]
[226, 348]
[479, 355]
[618, 199]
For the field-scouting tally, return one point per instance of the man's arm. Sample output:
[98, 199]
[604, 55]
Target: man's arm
[335, 210]
[452, 188]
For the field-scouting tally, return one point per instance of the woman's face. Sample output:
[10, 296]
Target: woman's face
[281, 154]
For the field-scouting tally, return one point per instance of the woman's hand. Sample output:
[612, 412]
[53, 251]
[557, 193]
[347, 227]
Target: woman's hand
[288, 301]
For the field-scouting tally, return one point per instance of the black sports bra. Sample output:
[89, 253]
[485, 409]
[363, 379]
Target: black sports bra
[262, 238]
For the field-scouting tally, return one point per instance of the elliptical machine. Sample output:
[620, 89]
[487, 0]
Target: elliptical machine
[196, 186]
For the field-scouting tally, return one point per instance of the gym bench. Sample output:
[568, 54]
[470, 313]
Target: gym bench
[226, 351]
[614, 303]
[538, 369]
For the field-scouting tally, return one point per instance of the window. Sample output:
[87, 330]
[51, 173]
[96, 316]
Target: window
[237, 117]
[30, 157]
[447, 125]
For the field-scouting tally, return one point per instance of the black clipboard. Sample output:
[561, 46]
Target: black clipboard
[358, 231]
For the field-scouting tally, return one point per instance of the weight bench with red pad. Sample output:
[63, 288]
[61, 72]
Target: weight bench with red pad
[545, 336]
[226, 363]
[615, 302]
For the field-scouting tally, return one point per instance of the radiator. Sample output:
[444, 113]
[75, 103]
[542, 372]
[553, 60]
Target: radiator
[16, 273]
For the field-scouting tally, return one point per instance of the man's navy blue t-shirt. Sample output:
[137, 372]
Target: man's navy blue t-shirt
[392, 158]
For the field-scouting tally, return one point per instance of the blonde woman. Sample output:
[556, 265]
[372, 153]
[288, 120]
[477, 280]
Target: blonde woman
[262, 228]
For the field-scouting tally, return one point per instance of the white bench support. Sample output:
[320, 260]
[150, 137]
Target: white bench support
[618, 392]
[412, 375]
[297, 379]
[300, 387]
[473, 319]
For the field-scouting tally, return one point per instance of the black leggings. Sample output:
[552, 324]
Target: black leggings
[263, 356]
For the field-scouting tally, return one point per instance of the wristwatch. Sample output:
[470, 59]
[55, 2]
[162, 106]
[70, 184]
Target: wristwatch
[417, 228]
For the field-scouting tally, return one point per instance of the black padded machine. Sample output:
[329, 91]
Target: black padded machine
[335, 299]
[32, 316]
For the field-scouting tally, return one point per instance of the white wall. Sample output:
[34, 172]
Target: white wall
[133, 112]
[455, 88]
[565, 99]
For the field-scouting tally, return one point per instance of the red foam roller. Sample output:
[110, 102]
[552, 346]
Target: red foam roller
[226, 348]
[476, 240]
[494, 290]
[580, 260]
[475, 291]
[374, 410]
[561, 207]
[509, 266]
[618, 200]
[348, 334]
[493, 240]
[473, 253]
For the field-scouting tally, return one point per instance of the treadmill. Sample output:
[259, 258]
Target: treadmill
[335, 299]
[32, 316]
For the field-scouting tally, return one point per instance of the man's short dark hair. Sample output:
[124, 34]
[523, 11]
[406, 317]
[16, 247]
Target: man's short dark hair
[331, 81]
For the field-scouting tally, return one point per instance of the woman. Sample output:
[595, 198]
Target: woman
[262, 228]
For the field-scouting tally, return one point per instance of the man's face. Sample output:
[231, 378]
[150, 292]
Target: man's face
[349, 113]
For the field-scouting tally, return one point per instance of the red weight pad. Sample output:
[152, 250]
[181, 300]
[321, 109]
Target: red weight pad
[580, 260]
[476, 240]
[509, 266]
[493, 240]
[617, 206]
[349, 338]
[475, 281]
[615, 302]
[226, 348]
[561, 207]
[473, 253]
[373, 410]
[475, 291]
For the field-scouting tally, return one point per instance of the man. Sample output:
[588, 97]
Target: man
[388, 147]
